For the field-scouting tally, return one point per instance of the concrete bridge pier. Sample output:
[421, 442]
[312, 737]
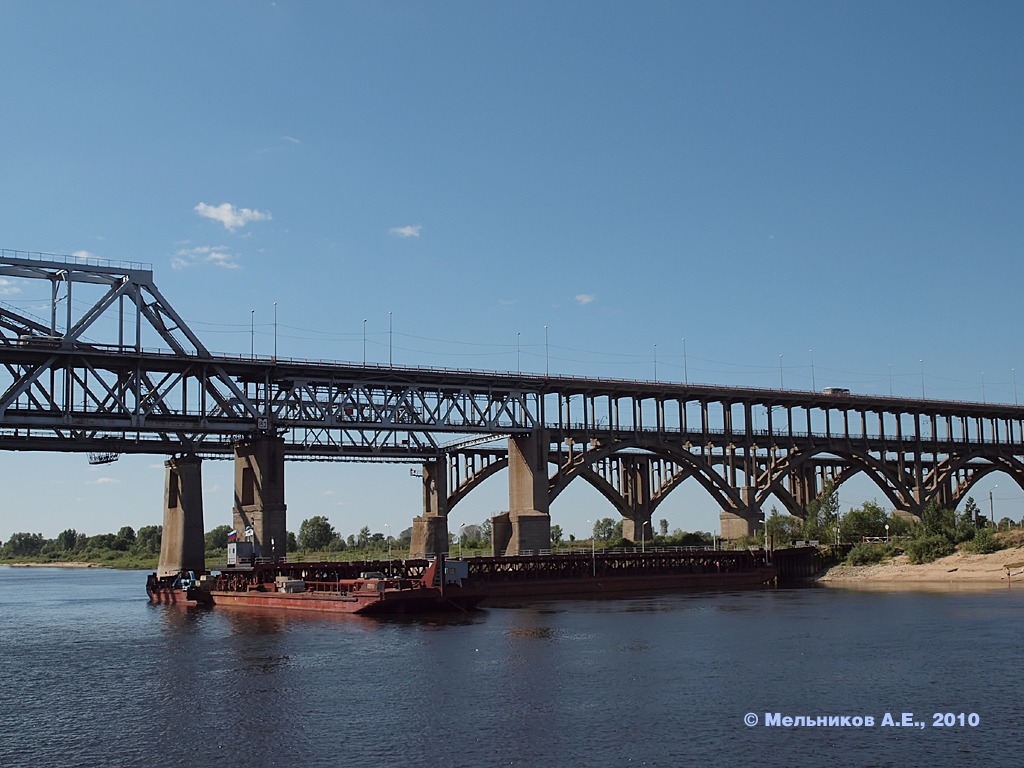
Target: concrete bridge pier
[526, 527]
[636, 485]
[430, 531]
[737, 523]
[259, 495]
[183, 545]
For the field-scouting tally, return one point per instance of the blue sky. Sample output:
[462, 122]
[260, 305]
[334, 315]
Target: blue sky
[761, 179]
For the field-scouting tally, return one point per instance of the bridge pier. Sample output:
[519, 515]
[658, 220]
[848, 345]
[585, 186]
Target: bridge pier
[739, 523]
[636, 486]
[183, 544]
[259, 494]
[430, 531]
[526, 527]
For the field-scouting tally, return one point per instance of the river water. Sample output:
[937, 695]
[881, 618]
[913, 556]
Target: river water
[92, 675]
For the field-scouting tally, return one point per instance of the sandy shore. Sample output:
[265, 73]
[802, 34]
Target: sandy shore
[68, 564]
[956, 570]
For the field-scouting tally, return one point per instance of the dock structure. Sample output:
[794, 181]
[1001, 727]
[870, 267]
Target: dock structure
[141, 381]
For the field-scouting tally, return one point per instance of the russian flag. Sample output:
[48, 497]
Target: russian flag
[232, 535]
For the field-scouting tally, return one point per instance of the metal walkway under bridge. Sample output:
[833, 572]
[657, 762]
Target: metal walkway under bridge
[114, 369]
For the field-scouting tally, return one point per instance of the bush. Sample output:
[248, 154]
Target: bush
[928, 548]
[983, 543]
[867, 553]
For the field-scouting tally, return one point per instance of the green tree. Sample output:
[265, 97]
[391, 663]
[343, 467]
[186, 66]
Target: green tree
[866, 521]
[363, 538]
[317, 533]
[607, 529]
[822, 514]
[217, 539]
[556, 535]
[291, 543]
[100, 541]
[147, 540]
[783, 529]
[938, 521]
[663, 526]
[67, 539]
[24, 544]
[971, 509]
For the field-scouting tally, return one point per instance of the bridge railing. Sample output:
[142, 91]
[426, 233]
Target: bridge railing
[88, 261]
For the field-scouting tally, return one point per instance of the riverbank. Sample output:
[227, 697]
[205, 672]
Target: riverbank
[958, 569]
[67, 564]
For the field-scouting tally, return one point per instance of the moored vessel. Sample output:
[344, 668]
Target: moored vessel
[323, 587]
[411, 586]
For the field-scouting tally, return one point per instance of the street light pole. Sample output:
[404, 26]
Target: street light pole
[991, 506]
[388, 529]
[686, 372]
[593, 551]
[252, 333]
[364, 341]
[275, 330]
[547, 359]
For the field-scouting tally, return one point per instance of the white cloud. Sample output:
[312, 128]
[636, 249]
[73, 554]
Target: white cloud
[585, 298]
[83, 255]
[409, 231]
[231, 217]
[290, 139]
[104, 481]
[8, 288]
[205, 254]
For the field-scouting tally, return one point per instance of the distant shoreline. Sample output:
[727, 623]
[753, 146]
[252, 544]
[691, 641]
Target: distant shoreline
[956, 570]
[68, 564]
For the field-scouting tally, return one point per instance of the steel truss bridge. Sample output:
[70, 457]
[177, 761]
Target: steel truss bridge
[114, 369]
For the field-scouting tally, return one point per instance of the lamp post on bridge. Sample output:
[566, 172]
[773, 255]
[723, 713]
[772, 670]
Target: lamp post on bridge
[547, 358]
[991, 507]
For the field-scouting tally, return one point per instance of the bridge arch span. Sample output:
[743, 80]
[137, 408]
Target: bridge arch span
[806, 472]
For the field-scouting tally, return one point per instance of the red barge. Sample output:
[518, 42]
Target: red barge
[415, 586]
[323, 587]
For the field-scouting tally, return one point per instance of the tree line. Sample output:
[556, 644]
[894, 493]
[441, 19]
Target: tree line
[874, 534]
[70, 545]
